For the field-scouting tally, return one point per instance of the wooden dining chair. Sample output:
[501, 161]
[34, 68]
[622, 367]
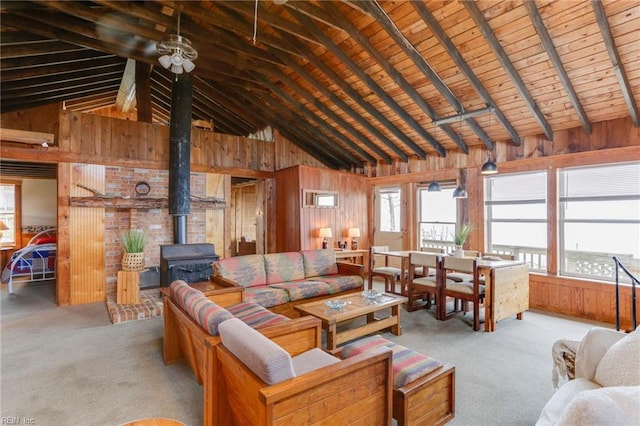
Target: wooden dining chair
[433, 250]
[377, 268]
[466, 291]
[420, 286]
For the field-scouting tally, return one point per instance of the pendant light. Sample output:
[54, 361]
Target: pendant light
[460, 192]
[434, 187]
[489, 167]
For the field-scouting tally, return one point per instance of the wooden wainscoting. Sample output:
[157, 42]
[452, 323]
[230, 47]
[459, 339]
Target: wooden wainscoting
[579, 298]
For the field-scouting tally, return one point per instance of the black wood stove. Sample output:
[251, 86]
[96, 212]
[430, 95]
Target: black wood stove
[189, 262]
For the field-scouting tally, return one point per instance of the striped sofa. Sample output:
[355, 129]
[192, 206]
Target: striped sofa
[191, 319]
[279, 281]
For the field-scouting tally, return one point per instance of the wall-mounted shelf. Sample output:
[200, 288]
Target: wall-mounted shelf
[142, 203]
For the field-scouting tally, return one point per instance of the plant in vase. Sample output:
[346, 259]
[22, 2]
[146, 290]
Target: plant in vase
[133, 242]
[460, 237]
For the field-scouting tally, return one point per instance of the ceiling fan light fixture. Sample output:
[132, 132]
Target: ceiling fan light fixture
[177, 54]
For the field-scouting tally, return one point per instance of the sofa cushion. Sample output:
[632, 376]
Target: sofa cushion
[283, 267]
[553, 409]
[408, 365]
[298, 290]
[339, 283]
[206, 313]
[620, 365]
[617, 405]
[255, 316]
[319, 262]
[262, 356]
[247, 271]
[266, 296]
[312, 360]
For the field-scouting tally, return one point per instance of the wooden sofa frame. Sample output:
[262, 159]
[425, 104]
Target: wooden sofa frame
[355, 391]
[184, 338]
[287, 309]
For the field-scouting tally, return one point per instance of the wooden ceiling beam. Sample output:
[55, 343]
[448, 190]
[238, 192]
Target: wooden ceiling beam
[393, 73]
[55, 87]
[376, 89]
[299, 132]
[618, 67]
[71, 32]
[551, 51]
[215, 94]
[46, 47]
[62, 70]
[288, 82]
[421, 63]
[54, 79]
[30, 102]
[307, 113]
[462, 64]
[511, 71]
[143, 92]
[105, 23]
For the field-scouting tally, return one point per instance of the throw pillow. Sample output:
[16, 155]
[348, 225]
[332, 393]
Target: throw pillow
[620, 365]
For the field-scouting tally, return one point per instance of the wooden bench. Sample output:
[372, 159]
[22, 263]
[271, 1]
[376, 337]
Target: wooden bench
[424, 388]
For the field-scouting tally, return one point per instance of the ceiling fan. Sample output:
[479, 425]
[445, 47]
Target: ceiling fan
[177, 53]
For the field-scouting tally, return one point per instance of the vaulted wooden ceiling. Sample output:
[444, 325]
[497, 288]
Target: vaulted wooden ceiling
[351, 81]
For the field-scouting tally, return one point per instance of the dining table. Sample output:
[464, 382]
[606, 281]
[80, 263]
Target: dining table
[506, 285]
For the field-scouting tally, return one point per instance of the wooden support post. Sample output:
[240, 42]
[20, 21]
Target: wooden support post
[128, 288]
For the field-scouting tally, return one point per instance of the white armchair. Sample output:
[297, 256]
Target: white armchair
[606, 388]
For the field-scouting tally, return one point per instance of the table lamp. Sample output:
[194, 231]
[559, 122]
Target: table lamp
[326, 234]
[354, 233]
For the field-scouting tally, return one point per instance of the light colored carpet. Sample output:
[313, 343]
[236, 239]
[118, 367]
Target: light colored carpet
[71, 366]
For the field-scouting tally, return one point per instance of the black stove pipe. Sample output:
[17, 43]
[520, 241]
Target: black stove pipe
[180, 155]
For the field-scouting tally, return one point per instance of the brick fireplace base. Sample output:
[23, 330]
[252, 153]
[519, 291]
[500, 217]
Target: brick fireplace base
[150, 306]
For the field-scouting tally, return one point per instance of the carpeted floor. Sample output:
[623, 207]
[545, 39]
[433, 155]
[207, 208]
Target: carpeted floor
[72, 366]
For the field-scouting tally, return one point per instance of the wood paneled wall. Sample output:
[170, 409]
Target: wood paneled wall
[298, 226]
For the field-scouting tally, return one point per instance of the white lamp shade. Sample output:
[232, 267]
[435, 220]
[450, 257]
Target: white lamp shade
[325, 233]
[188, 65]
[165, 61]
[353, 232]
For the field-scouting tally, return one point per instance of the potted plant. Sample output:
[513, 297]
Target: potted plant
[133, 242]
[460, 237]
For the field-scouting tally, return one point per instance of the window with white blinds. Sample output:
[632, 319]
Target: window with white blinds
[516, 216]
[599, 217]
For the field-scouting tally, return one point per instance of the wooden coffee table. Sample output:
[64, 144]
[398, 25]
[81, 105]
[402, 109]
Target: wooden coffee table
[357, 306]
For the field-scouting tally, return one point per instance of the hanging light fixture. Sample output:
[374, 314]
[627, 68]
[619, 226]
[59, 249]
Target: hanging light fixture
[460, 192]
[177, 52]
[489, 167]
[434, 187]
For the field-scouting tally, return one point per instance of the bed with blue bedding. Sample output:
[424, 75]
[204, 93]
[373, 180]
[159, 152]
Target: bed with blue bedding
[34, 262]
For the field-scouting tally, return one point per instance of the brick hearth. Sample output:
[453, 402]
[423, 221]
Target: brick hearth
[150, 306]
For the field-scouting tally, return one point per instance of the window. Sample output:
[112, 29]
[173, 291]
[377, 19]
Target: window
[516, 215]
[436, 218]
[599, 217]
[9, 193]
[389, 209]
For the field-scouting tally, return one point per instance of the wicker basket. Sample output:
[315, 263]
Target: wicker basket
[133, 261]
